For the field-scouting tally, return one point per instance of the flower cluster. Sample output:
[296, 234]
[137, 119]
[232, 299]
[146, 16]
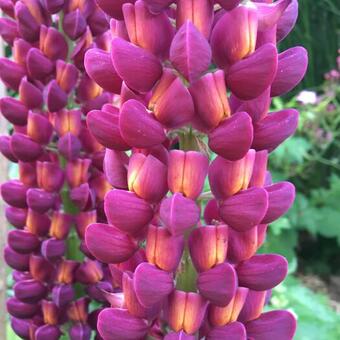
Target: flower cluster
[61, 184]
[194, 77]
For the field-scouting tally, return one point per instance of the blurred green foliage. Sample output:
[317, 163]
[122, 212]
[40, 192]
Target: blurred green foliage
[318, 30]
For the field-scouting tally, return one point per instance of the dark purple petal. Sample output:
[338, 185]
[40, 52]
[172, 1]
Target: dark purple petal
[232, 331]
[287, 21]
[14, 110]
[30, 291]
[23, 241]
[21, 310]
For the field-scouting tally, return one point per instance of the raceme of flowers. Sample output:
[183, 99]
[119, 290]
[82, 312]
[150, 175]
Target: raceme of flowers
[178, 95]
[61, 184]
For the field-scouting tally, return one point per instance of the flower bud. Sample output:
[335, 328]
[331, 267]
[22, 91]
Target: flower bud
[77, 310]
[40, 268]
[69, 146]
[60, 225]
[53, 6]
[8, 30]
[160, 244]
[253, 306]
[30, 95]
[208, 246]
[287, 20]
[21, 327]
[28, 173]
[186, 311]
[66, 271]
[6, 150]
[74, 24]
[80, 331]
[14, 111]
[28, 26]
[82, 220]
[67, 121]
[187, 172]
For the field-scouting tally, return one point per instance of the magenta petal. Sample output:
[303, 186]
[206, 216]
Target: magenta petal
[228, 4]
[287, 21]
[250, 77]
[262, 272]
[257, 108]
[38, 65]
[115, 322]
[30, 95]
[175, 107]
[11, 73]
[280, 199]
[16, 216]
[151, 284]
[104, 126]
[63, 294]
[233, 137]
[218, 285]
[138, 127]
[127, 211]
[24, 148]
[30, 291]
[179, 336]
[232, 331]
[246, 209]
[115, 168]
[56, 98]
[272, 130]
[279, 325]
[16, 260]
[21, 309]
[53, 249]
[14, 110]
[253, 306]
[292, 67]
[13, 192]
[190, 52]
[269, 14]
[179, 213]
[157, 6]
[6, 150]
[74, 24]
[108, 244]
[23, 241]
[69, 146]
[139, 68]
[99, 67]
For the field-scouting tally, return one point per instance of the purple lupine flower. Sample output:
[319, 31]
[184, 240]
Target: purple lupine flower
[174, 277]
